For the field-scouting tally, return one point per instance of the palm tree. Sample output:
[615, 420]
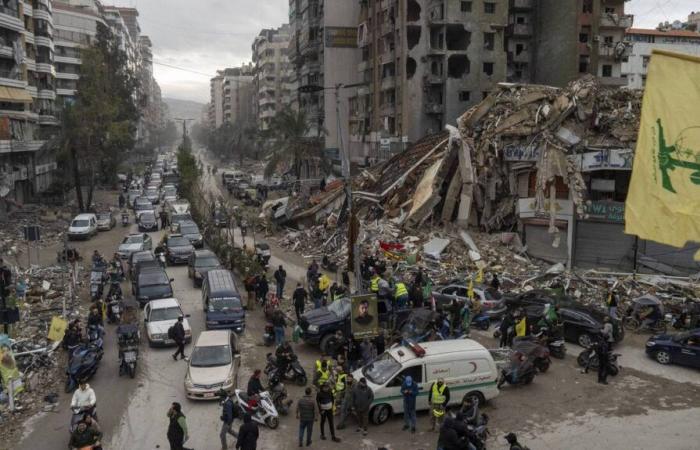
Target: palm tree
[290, 131]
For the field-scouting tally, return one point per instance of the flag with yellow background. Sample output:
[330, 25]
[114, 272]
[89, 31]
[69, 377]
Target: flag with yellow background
[663, 201]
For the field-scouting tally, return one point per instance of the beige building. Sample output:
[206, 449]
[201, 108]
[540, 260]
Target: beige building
[216, 104]
[231, 93]
[271, 74]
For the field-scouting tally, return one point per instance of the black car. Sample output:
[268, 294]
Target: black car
[682, 349]
[147, 221]
[137, 257]
[190, 230]
[201, 262]
[178, 249]
[152, 284]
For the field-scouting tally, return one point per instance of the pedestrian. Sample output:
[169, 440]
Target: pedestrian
[326, 404]
[178, 335]
[163, 219]
[346, 405]
[466, 317]
[177, 428]
[306, 413]
[401, 295]
[280, 280]
[279, 324]
[299, 296]
[362, 398]
[228, 415]
[316, 294]
[506, 328]
[5, 279]
[248, 434]
[122, 200]
[409, 391]
[438, 398]
[353, 352]
[251, 289]
[322, 374]
[603, 361]
[263, 288]
[512, 440]
[495, 282]
[608, 331]
[416, 295]
[612, 302]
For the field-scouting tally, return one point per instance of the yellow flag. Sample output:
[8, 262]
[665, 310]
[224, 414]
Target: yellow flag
[470, 289]
[663, 202]
[480, 276]
[57, 329]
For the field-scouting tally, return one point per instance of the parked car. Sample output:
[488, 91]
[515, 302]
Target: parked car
[190, 230]
[199, 263]
[178, 249]
[152, 284]
[213, 365]
[221, 301]
[492, 302]
[135, 242]
[682, 349]
[106, 221]
[147, 221]
[169, 193]
[159, 316]
[136, 258]
[141, 205]
[83, 226]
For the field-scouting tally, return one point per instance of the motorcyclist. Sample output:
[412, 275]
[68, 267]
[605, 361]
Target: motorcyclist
[255, 386]
[73, 334]
[518, 361]
[284, 355]
[95, 318]
[650, 317]
[85, 436]
[470, 410]
[453, 435]
[84, 398]
[97, 259]
[115, 275]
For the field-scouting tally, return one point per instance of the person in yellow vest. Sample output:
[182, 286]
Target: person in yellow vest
[521, 326]
[401, 295]
[322, 375]
[339, 387]
[324, 358]
[374, 283]
[438, 398]
[323, 284]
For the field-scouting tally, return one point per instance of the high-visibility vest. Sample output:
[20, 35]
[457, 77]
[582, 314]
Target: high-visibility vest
[324, 376]
[374, 284]
[400, 290]
[324, 282]
[340, 383]
[438, 398]
[329, 364]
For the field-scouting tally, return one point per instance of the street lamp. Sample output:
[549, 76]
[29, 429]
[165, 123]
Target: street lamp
[310, 89]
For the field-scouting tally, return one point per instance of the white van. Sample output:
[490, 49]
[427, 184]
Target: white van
[466, 366]
[84, 226]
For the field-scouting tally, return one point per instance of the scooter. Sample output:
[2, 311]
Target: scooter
[589, 358]
[78, 414]
[161, 258]
[482, 321]
[524, 375]
[295, 372]
[125, 219]
[269, 334]
[82, 365]
[114, 309]
[261, 408]
[279, 395]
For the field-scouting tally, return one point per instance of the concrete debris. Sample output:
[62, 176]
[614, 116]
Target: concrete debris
[434, 247]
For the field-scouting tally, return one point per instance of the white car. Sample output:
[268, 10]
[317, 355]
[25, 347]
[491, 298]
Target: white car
[84, 226]
[213, 365]
[135, 242]
[159, 316]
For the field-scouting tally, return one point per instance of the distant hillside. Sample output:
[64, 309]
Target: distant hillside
[184, 108]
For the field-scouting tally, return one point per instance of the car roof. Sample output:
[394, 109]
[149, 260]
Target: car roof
[204, 253]
[163, 303]
[84, 216]
[213, 337]
[437, 348]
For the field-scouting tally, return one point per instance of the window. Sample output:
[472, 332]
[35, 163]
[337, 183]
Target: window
[519, 48]
[520, 20]
[609, 10]
[466, 6]
[583, 38]
[608, 39]
[415, 372]
[645, 61]
[488, 68]
[607, 70]
[489, 7]
[489, 41]
[587, 6]
[464, 96]
[484, 94]
[583, 64]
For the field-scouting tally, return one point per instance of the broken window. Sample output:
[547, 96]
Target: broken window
[457, 66]
[412, 36]
[464, 96]
[519, 48]
[388, 70]
[489, 7]
[413, 11]
[608, 40]
[410, 67]
[520, 20]
[484, 94]
[466, 6]
[489, 41]
[587, 6]
[457, 37]
[436, 68]
[583, 37]
[488, 68]
[583, 62]
[437, 39]
[607, 70]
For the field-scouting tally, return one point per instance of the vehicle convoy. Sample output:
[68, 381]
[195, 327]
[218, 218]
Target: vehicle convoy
[159, 316]
[221, 301]
[682, 349]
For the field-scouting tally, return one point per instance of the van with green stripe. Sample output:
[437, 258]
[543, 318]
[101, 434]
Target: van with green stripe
[466, 366]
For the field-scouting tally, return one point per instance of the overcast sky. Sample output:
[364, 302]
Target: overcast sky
[206, 35]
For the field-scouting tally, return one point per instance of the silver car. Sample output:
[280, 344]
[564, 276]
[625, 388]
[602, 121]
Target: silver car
[106, 221]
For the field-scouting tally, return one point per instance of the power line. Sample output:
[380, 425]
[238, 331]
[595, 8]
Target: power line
[208, 75]
[190, 30]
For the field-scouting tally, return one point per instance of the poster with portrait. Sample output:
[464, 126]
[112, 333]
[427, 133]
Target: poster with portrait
[364, 317]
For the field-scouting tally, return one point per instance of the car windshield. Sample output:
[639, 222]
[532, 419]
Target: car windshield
[104, 216]
[133, 239]
[207, 262]
[156, 291]
[154, 278]
[211, 356]
[152, 191]
[189, 229]
[224, 304]
[178, 241]
[340, 308]
[80, 223]
[381, 369]
[180, 217]
[148, 216]
[160, 314]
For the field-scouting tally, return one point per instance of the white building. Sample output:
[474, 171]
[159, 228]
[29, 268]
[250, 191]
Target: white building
[644, 41]
[271, 77]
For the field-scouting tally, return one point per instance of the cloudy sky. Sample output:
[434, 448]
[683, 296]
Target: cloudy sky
[202, 36]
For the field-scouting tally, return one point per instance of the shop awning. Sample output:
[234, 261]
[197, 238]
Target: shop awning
[14, 95]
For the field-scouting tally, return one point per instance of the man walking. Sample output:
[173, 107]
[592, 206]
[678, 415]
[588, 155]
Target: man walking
[438, 398]
[299, 298]
[251, 288]
[278, 323]
[163, 219]
[306, 413]
[228, 414]
[362, 398]
[603, 360]
[177, 428]
[280, 280]
[346, 405]
[248, 434]
[326, 403]
[178, 335]
[409, 391]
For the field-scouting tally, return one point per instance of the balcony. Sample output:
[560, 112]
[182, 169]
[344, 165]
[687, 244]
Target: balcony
[522, 57]
[433, 108]
[12, 78]
[45, 68]
[32, 91]
[6, 51]
[43, 41]
[67, 60]
[388, 28]
[48, 119]
[615, 21]
[388, 83]
[389, 56]
[9, 18]
[613, 81]
[615, 50]
[43, 15]
[29, 37]
[387, 109]
[47, 93]
[431, 79]
[20, 146]
[522, 29]
[67, 76]
[28, 9]
[521, 5]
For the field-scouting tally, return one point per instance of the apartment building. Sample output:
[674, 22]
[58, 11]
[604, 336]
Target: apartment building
[425, 62]
[28, 120]
[216, 104]
[271, 74]
[643, 41]
[553, 42]
[239, 92]
[323, 53]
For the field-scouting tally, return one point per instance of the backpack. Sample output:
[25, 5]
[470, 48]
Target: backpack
[171, 332]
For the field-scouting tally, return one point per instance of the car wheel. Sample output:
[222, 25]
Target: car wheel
[476, 397]
[662, 357]
[325, 343]
[272, 422]
[380, 414]
[584, 340]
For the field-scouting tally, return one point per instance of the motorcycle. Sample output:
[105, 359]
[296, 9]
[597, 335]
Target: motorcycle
[535, 352]
[477, 433]
[279, 395]
[78, 414]
[95, 336]
[114, 309]
[481, 321]
[82, 365]
[269, 334]
[295, 372]
[125, 219]
[261, 408]
[521, 372]
[128, 341]
[554, 343]
[589, 358]
[161, 258]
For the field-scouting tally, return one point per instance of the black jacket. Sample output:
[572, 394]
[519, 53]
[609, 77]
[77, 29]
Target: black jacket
[179, 332]
[254, 386]
[449, 439]
[248, 436]
[228, 411]
[280, 276]
[299, 296]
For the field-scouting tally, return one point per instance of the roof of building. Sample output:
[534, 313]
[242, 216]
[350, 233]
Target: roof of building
[670, 33]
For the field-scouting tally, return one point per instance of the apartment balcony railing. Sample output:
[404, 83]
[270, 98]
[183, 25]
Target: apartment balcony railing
[8, 11]
[521, 29]
[521, 4]
[9, 18]
[615, 21]
[615, 50]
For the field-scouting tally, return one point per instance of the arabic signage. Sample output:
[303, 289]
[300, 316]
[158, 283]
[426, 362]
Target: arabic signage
[606, 211]
[343, 37]
[527, 208]
[608, 159]
[519, 153]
